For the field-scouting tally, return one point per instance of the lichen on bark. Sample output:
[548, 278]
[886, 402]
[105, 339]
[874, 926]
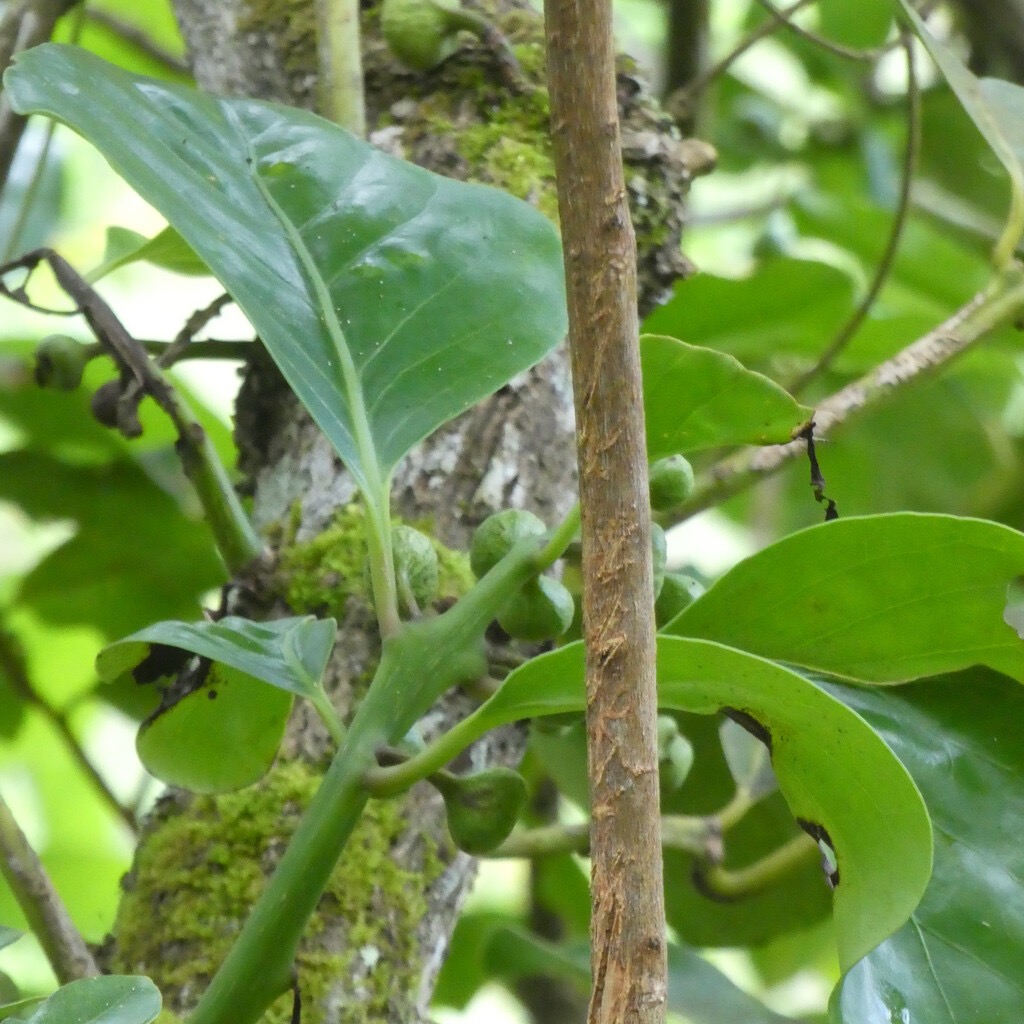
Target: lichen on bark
[203, 862]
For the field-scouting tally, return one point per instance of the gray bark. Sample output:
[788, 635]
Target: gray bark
[513, 450]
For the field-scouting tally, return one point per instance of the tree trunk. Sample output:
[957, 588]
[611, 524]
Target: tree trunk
[379, 937]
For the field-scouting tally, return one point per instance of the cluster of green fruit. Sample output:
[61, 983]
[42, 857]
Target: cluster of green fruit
[544, 608]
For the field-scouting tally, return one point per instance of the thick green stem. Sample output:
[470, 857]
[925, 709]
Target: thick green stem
[417, 665]
[725, 884]
[340, 61]
[236, 539]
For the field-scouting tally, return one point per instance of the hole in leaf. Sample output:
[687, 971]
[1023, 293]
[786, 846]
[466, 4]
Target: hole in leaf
[1013, 613]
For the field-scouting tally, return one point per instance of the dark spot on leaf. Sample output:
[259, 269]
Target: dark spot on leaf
[820, 835]
[751, 724]
[162, 661]
[211, 694]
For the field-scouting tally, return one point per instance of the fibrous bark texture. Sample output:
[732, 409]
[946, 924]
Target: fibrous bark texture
[513, 450]
[627, 929]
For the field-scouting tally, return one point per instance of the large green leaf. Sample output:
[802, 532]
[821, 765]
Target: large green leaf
[885, 598]
[219, 738]
[833, 769]
[391, 298]
[290, 654]
[958, 960]
[785, 306]
[113, 999]
[695, 398]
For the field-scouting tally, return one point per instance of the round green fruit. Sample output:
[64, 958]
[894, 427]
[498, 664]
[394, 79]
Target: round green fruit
[416, 566]
[482, 809]
[420, 33]
[671, 483]
[497, 535]
[542, 610]
[677, 592]
[60, 362]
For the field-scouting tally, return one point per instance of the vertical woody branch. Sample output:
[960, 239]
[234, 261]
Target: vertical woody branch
[628, 924]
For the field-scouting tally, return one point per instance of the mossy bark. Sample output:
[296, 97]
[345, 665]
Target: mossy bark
[373, 953]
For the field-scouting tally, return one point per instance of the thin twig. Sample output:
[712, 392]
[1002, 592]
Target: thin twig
[23, 26]
[138, 38]
[15, 670]
[183, 340]
[766, 28]
[1001, 303]
[718, 882]
[35, 183]
[888, 259]
[116, 405]
[868, 56]
[41, 904]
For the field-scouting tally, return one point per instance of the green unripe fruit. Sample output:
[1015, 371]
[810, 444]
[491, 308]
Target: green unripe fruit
[674, 767]
[416, 567]
[671, 482]
[541, 610]
[417, 571]
[60, 362]
[482, 809]
[678, 591]
[675, 754]
[497, 535]
[659, 556]
[420, 33]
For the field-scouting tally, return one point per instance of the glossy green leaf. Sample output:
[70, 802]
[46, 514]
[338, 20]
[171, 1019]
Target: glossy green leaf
[290, 654]
[833, 769]
[218, 738]
[112, 999]
[166, 249]
[9, 935]
[392, 298]
[786, 305]
[958, 960]
[797, 900]
[995, 108]
[885, 599]
[695, 398]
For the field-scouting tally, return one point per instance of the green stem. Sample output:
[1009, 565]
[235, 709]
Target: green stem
[328, 715]
[678, 832]
[340, 64]
[236, 539]
[560, 538]
[428, 657]
[728, 885]
[396, 779]
[374, 484]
